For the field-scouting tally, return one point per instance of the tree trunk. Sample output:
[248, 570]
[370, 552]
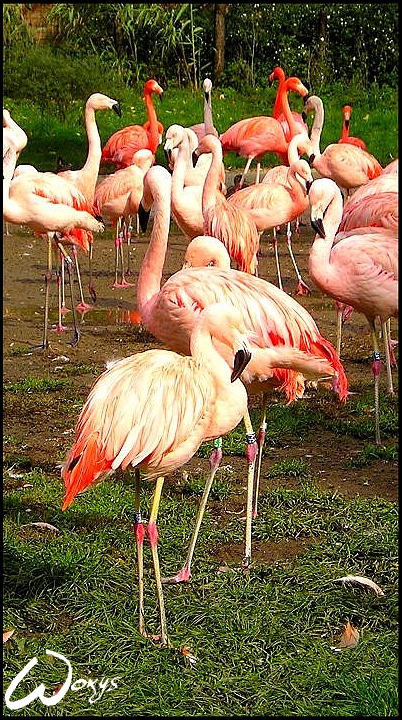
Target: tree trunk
[219, 56]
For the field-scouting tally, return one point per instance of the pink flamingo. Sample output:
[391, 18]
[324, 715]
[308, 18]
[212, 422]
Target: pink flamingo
[373, 205]
[151, 411]
[281, 107]
[117, 197]
[391, 168]
[349, 166]
[53, 207]
[13, 133]
[253, 137]
[122, 145]
[186, 195]
[358, 271]
[85, 178]
[272, 203]
[274, 319]
[207, 127]
[233, 225]
[345, 137]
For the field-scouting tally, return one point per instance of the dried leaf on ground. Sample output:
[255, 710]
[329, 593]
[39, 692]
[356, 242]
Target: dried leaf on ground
[43, 526]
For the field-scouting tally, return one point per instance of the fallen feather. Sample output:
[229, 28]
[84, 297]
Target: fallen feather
[43, 526]
[349, 638]
[188, 655]
[360, 581]
[7, 634]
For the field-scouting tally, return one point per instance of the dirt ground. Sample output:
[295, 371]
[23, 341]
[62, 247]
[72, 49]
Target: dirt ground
[109, 331]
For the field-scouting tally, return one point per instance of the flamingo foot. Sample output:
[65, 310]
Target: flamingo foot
[246, 563]
[59, 328]
[64, 310]
[302, 288]
[184, 575]
[122, 284]
[83, 307]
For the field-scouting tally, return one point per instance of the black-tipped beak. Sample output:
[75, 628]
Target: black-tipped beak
[304, 116]
[308, 185]
[241, 360]
[168, 155]
[318, 226]
[143, 217]
[311, 159]
[116, 108]
[194, 158]
[347, 123]
[305, 98]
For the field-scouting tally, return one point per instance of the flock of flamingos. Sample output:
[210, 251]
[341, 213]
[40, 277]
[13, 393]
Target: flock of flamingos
[228, 332]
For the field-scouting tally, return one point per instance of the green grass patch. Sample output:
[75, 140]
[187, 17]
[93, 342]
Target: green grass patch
[36, 385]
[262, 639]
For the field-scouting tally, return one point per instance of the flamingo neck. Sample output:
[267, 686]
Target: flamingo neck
[152, 119]
[150, 275]
[90, 170]
[209, 192]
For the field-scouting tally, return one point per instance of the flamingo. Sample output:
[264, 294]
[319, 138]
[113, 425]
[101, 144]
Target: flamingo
[152, 411]
[122, 145]
[186, 196]
[374, 204]
[358, 271]
[168, 310]
[86, 177]
[391, 168]
[117, 197]
[233, 225]
[281, 107]
[280, 201]
[345, 137]
[13, 133]
[253, 137]
[207, 127]
[349, 166]
[52, 207]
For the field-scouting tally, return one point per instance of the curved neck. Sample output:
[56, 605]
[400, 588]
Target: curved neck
[180, 166]
[209, 191]
[284, 104]
[152, 119]
[158, 184]
[208, 122]
[315, 103]
[91, 167]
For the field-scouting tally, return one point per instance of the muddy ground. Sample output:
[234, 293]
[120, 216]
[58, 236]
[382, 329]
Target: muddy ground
[109, 330]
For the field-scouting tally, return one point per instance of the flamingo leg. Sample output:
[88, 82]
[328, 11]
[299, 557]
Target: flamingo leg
[129, 228]
[261, 441]
[152, 532]
[385, 333]
[184, 574]
[82, 306]
[245, 171]
[48, 277]
[69, 263]
[139, 532]
[64, 309]
[302, 287]
[251, 454]
[91, 288]
[278, 270]
[59, 327]
[376, 368]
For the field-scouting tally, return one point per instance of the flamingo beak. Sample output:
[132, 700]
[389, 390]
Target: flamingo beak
[241, 360]
[318, 225]
[116, 108]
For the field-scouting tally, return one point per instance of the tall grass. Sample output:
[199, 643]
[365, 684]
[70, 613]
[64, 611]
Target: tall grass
[374, 119]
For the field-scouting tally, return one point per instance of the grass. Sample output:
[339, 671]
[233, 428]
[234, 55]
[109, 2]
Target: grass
[262, 639]
[375, 119]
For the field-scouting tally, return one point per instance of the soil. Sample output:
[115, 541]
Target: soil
[110, 331]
